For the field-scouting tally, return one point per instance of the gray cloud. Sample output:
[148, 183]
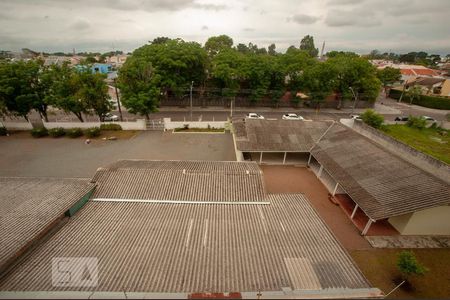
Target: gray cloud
[126, 5]
[80, 25]
[343, 18]
[95, 25]
[304, 19]
[344, 2]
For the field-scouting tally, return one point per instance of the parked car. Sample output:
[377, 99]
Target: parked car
[429, 118]
[401, 118]
[253, 116]
[108, 117]
[292, 117]
[355, 117]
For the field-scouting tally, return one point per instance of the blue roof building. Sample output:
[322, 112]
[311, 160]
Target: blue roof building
[101, 68]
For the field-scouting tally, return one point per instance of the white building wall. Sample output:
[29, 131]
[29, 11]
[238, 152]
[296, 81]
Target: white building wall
[432, 221]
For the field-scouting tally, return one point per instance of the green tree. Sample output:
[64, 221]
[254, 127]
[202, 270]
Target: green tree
[226, 72]
[139, 86]
[66, 91]
[271, 49]
[318, 81]
[307, 44]
[371, 118]
[414, 93]
[18, 82]
[293, 63]
[160, 40]
[176, 62]
[356, 73]
[216, 44]
[388, 76]
[93, 91]
[408, 265]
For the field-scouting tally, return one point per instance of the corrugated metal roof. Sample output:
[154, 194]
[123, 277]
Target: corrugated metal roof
[278, 135]
[381, 183]
[29, 205]
[181, 181]
[144, 247]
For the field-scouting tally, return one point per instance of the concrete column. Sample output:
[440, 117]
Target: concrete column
[309, 159]
[354, 211]
[260, 157]
[335, 188]
[320, 171]
[284, 158]
[364, 232]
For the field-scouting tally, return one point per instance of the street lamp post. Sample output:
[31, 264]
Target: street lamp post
[355, 96]
[192, 85]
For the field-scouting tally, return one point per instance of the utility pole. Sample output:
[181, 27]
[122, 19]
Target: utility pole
[192, 85]
[355, 96]
[118, 100]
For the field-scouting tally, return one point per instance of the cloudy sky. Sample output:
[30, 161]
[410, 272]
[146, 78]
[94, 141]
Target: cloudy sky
[104, 25]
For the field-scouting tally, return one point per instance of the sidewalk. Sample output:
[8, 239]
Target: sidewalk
[409, 241]
[405, 105]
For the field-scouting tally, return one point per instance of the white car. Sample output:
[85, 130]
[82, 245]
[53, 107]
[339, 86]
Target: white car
[253, 116]
[429, 118]
[292, 117]
[110, 117]
[355, 117]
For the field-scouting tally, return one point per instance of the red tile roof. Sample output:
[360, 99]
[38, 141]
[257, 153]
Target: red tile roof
[407, 72]
[425, 72]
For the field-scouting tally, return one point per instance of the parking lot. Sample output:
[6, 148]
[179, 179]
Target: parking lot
[22, 155]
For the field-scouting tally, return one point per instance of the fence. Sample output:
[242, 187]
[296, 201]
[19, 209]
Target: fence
[169, 124]
[206, 101]
[135, 125]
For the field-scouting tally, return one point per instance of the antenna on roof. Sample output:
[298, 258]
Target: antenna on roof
[323, 49]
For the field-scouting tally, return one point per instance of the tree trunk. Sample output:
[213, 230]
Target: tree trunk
[44, 114]
[147, 117]
[26, 118]
[79, 116]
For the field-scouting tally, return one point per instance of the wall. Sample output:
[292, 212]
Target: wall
[137, 125]
[435, 221]
[417, 158]
[17, 125]
[168, 124]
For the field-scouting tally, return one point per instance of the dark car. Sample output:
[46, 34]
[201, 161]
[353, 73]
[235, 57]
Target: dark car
[402, 118]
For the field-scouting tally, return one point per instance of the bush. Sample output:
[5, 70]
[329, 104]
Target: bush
[3, 131]
[114, 127]
[56, 132]
[408, 265]
[416, 122]
[371, 118]
[424, 100]
[74, 132]
[92, 132]
[39, 132]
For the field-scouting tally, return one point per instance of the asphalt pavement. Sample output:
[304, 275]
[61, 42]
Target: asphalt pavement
[389, 108]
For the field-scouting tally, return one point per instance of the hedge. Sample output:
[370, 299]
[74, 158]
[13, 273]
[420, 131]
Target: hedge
[39, 132]
[110, 127]
[74, 132]
[92, 132]
[424, 100]
[57, 132]
[3, 131]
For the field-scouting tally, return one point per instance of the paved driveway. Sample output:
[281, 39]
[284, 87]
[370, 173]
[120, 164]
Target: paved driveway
[21, 155]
